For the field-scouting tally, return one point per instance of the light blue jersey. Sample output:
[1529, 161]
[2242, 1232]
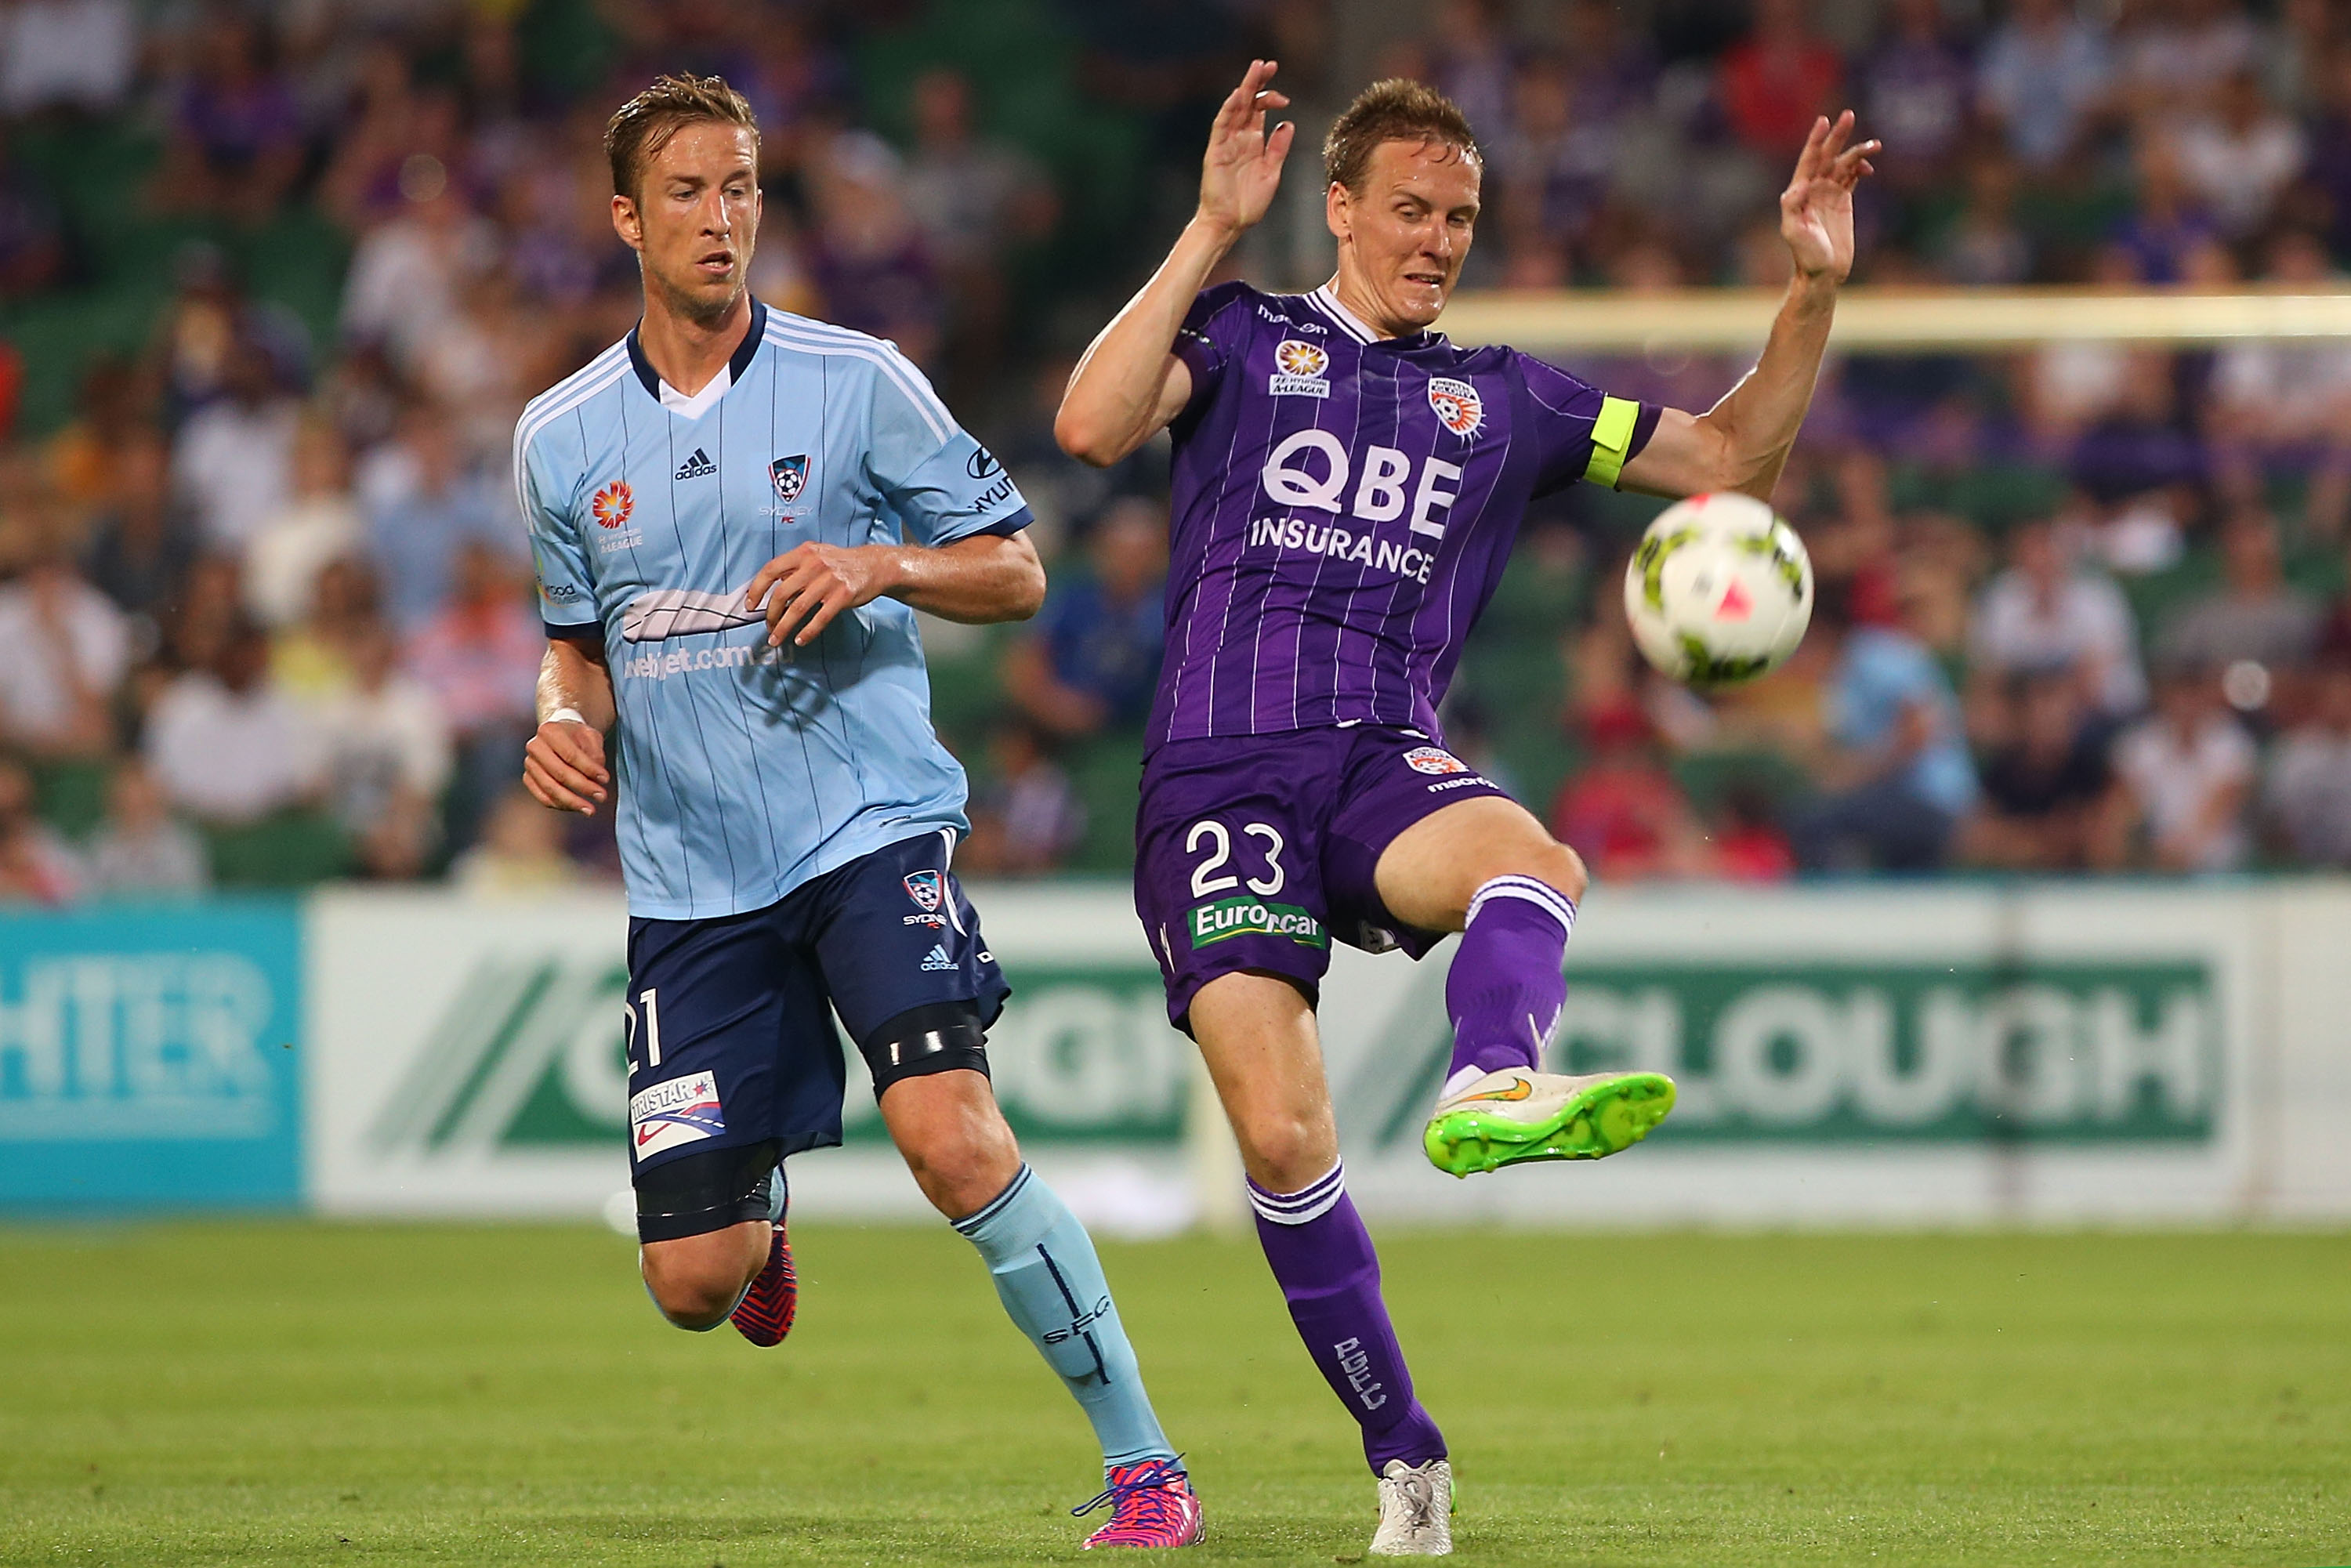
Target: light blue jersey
[743, 771]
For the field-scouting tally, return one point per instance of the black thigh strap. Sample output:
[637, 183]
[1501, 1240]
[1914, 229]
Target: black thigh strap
[933, 1038]
[697, 1194]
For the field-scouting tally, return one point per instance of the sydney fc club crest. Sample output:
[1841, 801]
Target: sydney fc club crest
[924, 889]
[790, 474]
[1457, 403]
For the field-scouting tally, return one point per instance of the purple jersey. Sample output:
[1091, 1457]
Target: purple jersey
[1343, 506]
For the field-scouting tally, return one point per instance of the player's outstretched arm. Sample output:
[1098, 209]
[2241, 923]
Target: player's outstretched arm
[985, 578]
[563, 764]
[1130, 383]
[1743, 442]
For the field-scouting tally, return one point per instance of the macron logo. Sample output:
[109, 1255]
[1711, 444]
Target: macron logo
[699, 466]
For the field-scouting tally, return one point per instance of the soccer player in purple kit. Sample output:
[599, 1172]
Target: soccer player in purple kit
[1347, 488]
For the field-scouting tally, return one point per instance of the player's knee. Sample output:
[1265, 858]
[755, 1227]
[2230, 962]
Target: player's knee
[1566, 871]
[1554, 865]
[1285, 1151]
[956, 1146]
[693, 1292]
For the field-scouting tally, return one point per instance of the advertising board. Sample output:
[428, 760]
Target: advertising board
[150, 1058]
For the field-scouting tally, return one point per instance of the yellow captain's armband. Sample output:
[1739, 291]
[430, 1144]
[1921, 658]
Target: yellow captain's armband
[1612, 434]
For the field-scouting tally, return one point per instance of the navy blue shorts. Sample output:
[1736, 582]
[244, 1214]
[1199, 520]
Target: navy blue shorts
[731, 1038]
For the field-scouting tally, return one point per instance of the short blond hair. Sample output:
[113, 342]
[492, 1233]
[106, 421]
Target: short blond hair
[642, 126]
[1396, 109]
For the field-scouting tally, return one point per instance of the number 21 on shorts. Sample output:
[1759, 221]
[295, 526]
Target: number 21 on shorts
[1209, 840]
[651, 1003]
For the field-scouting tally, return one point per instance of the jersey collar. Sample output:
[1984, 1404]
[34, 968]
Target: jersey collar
[701, 402]
[1326, 300]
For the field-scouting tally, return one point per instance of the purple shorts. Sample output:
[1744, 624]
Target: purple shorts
[1253, 852]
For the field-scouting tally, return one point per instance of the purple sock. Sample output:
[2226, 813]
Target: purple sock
[1505, 989]
[1323, 1257]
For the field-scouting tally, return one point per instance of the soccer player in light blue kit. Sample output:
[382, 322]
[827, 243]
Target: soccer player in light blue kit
[735, 514]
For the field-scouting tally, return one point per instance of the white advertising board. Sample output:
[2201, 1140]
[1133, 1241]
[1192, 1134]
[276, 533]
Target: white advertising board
[1934, 1055]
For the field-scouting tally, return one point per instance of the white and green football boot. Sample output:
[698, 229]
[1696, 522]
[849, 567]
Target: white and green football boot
[1518, 1114]
[1415, 1510]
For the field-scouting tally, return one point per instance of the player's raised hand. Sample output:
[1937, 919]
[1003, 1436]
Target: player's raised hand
[1243, 166]
[563, 767]
[807, 585]
[1816, 209]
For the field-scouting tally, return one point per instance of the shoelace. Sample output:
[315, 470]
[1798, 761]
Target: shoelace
[1156, 1475]
[1419, 1495]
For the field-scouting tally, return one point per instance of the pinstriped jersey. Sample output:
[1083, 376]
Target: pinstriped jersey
[743, 770]
[1343, 509]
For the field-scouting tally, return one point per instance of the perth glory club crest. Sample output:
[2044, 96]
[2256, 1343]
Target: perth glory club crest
[1457, 403]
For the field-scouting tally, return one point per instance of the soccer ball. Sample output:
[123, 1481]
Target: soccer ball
[1719, 590]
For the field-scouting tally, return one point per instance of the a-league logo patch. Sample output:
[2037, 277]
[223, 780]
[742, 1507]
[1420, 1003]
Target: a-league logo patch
[1457, 403]
[1296, 359]
[612, 503]
[926, 889]
[682, 1111]
[1298, 371]
[1434, 759]
[791, 476]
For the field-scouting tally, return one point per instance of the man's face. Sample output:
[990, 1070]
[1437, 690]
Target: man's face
[694, 218]
[1403, 237]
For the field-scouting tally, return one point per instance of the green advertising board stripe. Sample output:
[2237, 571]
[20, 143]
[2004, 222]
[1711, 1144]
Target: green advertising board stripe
[2088, 1053]
[531, 1053]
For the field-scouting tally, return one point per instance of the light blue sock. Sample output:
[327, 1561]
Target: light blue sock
[1053, 1285]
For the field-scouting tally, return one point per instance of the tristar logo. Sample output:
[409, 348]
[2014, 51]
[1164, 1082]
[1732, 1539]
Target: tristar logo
[1298, 371]
[790, 475]
[926, 889]
[1457, 403]
[699, 466]
[1434, 759]
[612, 503]
[1229, 917]
[682, 1111]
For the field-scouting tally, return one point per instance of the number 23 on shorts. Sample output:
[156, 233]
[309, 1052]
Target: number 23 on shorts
[1211, 844]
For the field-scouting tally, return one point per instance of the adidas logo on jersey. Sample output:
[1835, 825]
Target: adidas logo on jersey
[938, 958]
[699, 466]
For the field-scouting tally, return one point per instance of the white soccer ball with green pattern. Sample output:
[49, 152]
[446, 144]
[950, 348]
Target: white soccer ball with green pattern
[1719, 590]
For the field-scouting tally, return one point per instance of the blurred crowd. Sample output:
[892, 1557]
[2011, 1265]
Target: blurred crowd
[267, 618]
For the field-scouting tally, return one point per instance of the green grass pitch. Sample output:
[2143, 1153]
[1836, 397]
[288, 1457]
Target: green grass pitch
[309, 1392]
